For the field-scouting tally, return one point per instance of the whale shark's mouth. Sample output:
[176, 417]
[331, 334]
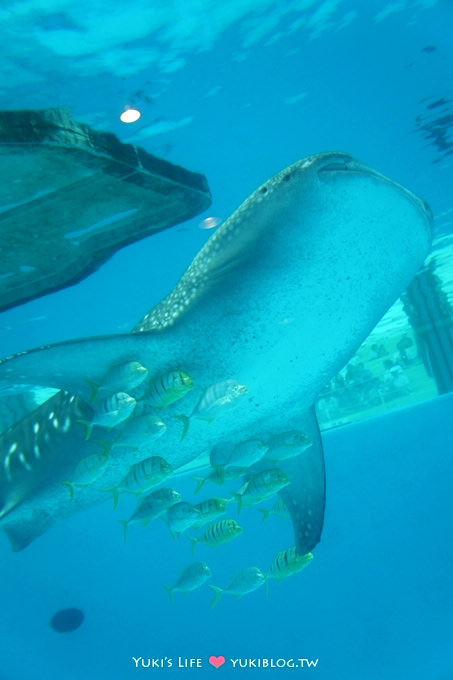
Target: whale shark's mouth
[344, 163]
[340, 164]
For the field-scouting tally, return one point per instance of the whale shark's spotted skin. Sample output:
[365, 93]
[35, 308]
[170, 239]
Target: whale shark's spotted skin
[225, 246]
[279, 299]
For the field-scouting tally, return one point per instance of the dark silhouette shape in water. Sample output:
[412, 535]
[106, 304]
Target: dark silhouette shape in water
[67, 620]
[438, 102]
[88, 196]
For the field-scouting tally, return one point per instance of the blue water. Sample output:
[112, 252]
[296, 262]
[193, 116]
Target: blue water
[376, 602]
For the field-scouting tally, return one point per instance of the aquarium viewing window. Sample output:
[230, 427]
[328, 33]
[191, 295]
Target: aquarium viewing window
[407, 359]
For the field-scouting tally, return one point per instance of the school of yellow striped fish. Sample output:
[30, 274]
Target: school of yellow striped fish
[131, 403]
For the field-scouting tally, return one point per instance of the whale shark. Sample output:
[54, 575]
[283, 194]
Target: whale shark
[279, 299]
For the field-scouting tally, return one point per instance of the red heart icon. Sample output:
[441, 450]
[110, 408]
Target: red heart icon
[216, 661]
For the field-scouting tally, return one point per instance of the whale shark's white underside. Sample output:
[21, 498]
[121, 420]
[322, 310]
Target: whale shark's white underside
[279, 298]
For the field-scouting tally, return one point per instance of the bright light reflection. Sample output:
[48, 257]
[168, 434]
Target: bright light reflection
[130, 115]
[209, 222]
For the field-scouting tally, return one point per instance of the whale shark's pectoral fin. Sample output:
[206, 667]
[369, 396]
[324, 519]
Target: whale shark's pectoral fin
[72, 365]
[23, 532]
[305, 497]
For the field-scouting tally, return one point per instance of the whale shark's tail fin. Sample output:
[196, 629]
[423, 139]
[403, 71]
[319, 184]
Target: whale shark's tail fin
[305, 497]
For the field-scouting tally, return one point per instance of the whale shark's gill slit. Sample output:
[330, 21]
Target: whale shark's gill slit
[305, 497]
[21, 532]
[37, 447]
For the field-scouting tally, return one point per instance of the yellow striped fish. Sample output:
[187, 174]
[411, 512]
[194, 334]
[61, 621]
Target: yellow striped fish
[142, 477]
[210, 510]
[181, 516]
[215, 400]
[168, 388]
[219, 532]
[287, 563]
[150, 507]
[261, 486]
[111, 411]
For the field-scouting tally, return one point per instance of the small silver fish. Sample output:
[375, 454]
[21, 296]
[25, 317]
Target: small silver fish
[140, 432]
[245, 581]
[279, 509]
[218, 476]
[113, 410]
[215, 400]
[261, 486]
[219, 398]
[118, 378]
[287, 563]
[87, 471]
[219, 457]
[168, 388]
[210, 509]
[220, 454]
[142, 477]
[219, 532]
[181, 516]
[241, 455]
[190, 578]
[150, 507]
[247, 453]
[287, 445]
